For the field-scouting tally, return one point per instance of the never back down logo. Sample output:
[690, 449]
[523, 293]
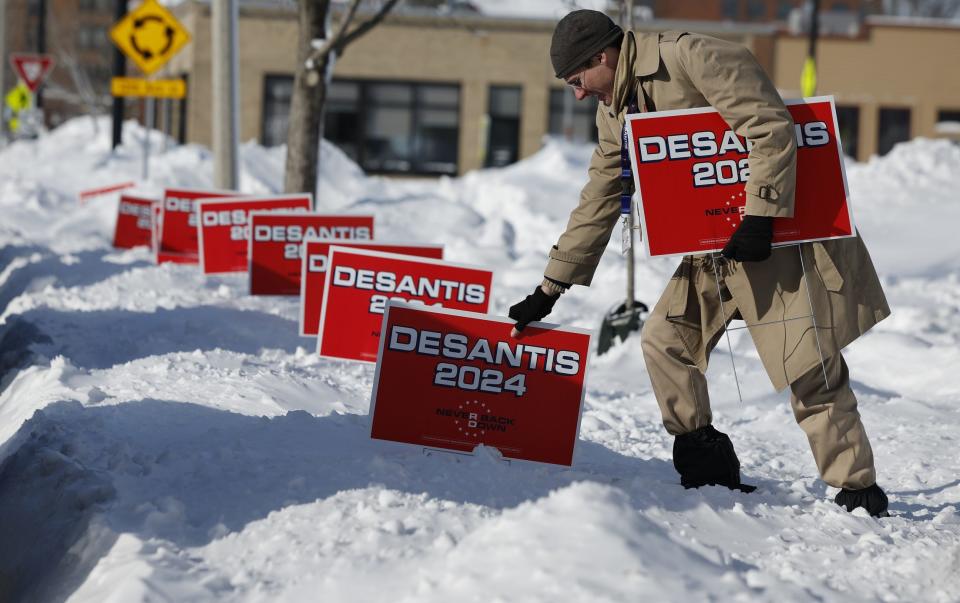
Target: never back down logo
[473, 418]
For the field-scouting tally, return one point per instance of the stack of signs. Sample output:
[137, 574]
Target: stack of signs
[692, 180]
[276, 240]
[451, 379]
[314, 272]
[178, 239]
[134, 222]
[224, 228]
[360, 282]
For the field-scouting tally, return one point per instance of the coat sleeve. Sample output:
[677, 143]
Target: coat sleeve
[730, 79]
[575, 257]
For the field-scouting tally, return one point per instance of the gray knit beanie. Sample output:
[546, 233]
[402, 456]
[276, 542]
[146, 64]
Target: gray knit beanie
[579, 36]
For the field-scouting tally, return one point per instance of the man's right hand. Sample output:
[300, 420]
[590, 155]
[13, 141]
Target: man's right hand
[533, 307]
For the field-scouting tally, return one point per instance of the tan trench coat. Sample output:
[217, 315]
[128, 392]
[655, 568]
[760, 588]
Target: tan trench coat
[680, 70]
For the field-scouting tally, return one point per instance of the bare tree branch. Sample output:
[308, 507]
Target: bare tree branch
[365, 26]
[329, 44]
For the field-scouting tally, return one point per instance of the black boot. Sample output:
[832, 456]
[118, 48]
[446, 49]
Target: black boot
[705, 457]
[872, 499]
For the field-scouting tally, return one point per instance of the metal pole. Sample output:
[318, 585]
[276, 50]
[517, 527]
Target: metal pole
[715, 260]
[119, 70]
[41, 44]
[814, 30]
[225, 109]
[631, 286]
[808, 79]
[3, 61]
[167, 122]
[147, 127]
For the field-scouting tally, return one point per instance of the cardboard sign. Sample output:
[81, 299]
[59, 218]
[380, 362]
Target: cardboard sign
[134, 222]
[86, 195]
[451, 379]
[690, 170]
[178, 240]
[360, 282]
[224, 228]
[314, 271]
[276, 240]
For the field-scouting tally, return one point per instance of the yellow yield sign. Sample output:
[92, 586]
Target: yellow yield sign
[149, 35]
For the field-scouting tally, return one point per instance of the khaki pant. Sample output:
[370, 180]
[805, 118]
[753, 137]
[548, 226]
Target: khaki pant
[828, 415]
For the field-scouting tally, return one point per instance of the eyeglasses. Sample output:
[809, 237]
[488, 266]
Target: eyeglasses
[577, 82]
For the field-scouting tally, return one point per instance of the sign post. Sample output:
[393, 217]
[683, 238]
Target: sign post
[149, 35]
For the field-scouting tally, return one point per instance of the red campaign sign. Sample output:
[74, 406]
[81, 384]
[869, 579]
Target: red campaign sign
[224, 227]
[32, 68]
[360, 282]
[453, 380]
[314, 271]
[179, 242]
[690, 170]
[134, 222]
[86, 195]
[276, 240]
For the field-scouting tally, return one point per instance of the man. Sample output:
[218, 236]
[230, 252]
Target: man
[763, 286]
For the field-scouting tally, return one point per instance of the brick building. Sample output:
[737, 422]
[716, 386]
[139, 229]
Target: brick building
[75, 33]
[429, 92]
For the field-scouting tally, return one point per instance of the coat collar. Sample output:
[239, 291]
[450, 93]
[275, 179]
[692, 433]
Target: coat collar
[639, 57]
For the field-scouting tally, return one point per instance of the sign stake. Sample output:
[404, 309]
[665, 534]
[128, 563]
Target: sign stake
[147, 127]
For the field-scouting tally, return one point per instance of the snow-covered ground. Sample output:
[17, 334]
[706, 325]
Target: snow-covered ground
[165, 437]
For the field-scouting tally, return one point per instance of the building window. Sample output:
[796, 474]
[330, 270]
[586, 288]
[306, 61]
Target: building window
[392, 127]
[277, 91]
[948, 116]
[436, 125]
[730, 9]
[756, 10]
[341, 120]
[784, 7]
[580, 123]
[503, 134]
[91, 37]
[395, 127]
[894, 127]
[848, 122]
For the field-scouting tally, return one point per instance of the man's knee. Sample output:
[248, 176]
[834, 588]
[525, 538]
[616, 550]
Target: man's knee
[656, 334]
[827, 383]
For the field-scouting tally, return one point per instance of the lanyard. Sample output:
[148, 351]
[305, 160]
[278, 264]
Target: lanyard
[626, 170]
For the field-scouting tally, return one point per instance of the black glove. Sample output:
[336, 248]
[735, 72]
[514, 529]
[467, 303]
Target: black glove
[533, 307]
[751, 241]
